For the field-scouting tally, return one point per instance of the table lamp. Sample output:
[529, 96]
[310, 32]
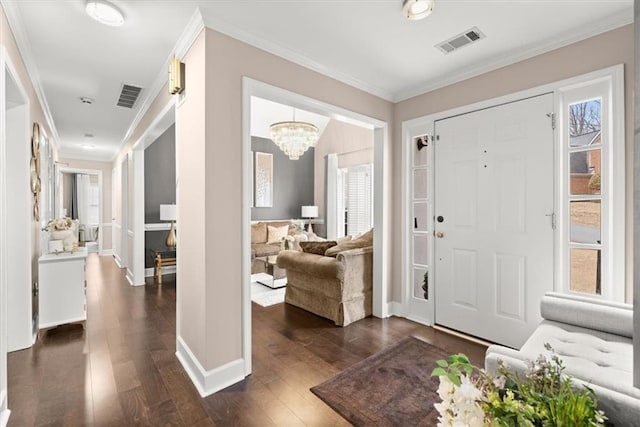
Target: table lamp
[169, 213]
[310, 212]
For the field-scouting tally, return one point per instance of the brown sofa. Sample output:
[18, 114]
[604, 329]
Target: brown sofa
[336, 287]
[259, 245]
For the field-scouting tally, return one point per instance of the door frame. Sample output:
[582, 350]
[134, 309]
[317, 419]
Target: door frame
[426, 125]
[381, 202]
[7, 67]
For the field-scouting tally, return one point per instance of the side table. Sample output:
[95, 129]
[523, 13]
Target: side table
[162, 258]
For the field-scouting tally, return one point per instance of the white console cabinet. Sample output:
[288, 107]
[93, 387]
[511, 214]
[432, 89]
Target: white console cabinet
[62, 291]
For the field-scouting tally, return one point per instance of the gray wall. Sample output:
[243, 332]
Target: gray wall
[159, 187]
[292, 182]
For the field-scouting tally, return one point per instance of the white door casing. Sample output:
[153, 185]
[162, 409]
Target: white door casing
[494, 189]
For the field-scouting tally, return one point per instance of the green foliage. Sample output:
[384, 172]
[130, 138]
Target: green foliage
[544, 397]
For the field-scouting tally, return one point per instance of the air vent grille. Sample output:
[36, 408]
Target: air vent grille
[128, 96]
[463, 39]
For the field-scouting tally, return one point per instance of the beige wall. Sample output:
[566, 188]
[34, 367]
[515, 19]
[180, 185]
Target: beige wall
[192, 173]
[220, 186]
[354, 146]
[105, 168]
[7, 41]
[611, 48]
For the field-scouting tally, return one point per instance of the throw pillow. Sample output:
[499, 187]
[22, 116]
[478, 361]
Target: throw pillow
[259, 232]
[363, 241]
[317, 248]
[343, 239]
[275, 234]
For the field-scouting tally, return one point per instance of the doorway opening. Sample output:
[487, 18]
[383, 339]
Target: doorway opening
[253, 88]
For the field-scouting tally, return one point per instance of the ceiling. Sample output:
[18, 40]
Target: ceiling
[365, 43]
[265, 112]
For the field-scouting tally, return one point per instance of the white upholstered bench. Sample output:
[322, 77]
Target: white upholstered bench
[594, 342]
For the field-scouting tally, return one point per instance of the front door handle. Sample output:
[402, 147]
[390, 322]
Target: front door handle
[439, 234]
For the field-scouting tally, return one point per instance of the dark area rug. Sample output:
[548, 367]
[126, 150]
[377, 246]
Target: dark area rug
[391, 388]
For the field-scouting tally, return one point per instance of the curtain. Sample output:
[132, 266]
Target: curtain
[73, 197]
[83, 198]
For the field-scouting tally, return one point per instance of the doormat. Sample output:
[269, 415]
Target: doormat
[393, 387]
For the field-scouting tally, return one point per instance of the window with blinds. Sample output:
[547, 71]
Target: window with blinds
[358, 198]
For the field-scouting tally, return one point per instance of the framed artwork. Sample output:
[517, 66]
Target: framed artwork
[263, 180]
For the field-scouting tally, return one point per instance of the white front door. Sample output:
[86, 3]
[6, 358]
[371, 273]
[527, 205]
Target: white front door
[494, 191]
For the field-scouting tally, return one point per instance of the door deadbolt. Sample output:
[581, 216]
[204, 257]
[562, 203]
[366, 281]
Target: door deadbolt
[440, 218]
[439, 234]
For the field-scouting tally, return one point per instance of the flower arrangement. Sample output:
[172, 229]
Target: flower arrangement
[58, 224]
[287, 242]
[544, 397]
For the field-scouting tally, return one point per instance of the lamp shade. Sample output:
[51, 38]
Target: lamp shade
[309, 212]
[168, 213]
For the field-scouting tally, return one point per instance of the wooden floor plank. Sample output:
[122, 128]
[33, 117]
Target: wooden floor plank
[120, 369]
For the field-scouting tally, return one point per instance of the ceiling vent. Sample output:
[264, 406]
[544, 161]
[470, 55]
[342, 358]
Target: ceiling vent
[128, 96]
[461, 40]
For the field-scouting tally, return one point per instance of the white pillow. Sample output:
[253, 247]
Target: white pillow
[275, 234]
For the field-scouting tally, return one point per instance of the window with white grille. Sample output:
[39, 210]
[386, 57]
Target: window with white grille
[357, 184]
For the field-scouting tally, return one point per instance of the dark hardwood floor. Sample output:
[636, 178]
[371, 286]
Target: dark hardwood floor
[121, 370]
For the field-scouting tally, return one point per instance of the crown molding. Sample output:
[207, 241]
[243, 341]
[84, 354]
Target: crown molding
[14, 18]
[185, 41]
[276, 49]
[608, 24]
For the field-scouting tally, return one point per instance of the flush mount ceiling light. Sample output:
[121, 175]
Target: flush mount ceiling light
[294, 138]
[415, 10]
[105, 13]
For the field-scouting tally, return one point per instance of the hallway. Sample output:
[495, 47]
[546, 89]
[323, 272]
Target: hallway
[121, 370]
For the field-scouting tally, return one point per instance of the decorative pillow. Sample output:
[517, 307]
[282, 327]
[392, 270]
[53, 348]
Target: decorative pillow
[258, 232]
[275, 234]
[317, 248]
[363, 241]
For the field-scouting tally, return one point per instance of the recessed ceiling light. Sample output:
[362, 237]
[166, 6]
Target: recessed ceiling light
[88, 146]
[417, 9]
[105, 13]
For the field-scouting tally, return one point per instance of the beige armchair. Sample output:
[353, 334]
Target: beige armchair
[338, 288]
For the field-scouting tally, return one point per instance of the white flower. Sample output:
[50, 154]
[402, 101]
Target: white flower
[446, 388]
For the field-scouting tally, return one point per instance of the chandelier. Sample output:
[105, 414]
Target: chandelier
[294, 138]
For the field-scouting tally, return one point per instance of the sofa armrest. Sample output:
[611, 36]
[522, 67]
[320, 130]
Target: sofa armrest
[612, 318]
[357, 268]
[315, 265]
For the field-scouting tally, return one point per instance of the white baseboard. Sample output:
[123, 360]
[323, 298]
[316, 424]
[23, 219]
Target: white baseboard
[208, 382]
[171, 269]
[107, 252]
[117, 259]
[4, 411]
[395, 308]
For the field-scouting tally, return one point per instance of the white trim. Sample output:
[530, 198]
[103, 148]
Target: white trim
[14, 18]
[107, 252]
[117, 259]
[395, 308]
[208, 382]
[166, 226]
[4, 411]
[150, 272]
[185, 41]
[382, 205]
[617, 71]
[138, 248]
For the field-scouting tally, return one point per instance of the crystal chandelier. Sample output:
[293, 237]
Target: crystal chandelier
[294, 138]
